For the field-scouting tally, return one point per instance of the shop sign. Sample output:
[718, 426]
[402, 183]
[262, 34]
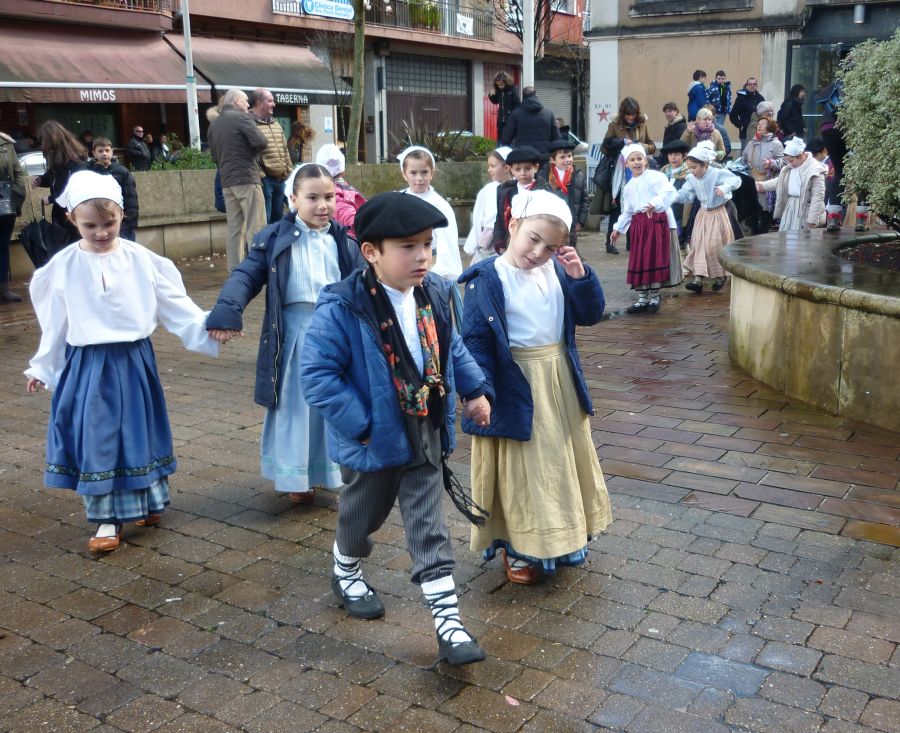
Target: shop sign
[290, 98]
[97, 95]
[329, 8]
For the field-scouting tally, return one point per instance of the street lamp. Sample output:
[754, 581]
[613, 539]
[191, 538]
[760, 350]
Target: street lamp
[189, 78]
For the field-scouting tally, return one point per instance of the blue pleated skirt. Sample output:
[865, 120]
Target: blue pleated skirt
[109, 430]
[293, 450]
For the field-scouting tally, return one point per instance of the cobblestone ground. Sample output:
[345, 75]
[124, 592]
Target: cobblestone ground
[749, 582]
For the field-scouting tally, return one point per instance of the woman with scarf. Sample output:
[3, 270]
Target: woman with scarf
[704, 128]
[764, 154]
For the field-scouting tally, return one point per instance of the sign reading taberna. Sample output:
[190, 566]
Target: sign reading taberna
[329, 8]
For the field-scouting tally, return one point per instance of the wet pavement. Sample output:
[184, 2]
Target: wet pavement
[750, 581]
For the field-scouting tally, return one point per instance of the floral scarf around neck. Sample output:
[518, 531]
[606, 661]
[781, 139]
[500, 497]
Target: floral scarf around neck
[413, 388]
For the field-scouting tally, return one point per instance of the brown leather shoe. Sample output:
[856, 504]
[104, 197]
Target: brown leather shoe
[149, 521]
[105, 544]
[522, 576]
[303, 497]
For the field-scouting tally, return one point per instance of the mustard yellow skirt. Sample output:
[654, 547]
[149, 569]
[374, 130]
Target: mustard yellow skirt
[546, 496]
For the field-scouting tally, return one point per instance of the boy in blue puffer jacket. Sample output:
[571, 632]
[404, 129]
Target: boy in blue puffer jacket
[383, 363]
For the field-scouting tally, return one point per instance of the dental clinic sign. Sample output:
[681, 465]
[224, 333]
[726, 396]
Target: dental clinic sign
[328, 8]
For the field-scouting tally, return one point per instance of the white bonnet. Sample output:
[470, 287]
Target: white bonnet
[86, 185]
[531, 203]
[633, 148]
[331, 158]
[794, 146]
[704, 151]
[503, 151]
[401, 156]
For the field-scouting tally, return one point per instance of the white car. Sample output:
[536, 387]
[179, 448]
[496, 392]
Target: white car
[33, 163]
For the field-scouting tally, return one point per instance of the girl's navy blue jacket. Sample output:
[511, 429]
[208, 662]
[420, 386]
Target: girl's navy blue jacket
[486, 336]
[268, 263]
[345, 373]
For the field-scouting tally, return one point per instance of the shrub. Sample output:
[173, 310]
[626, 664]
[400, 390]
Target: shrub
[442, 144]
[868, 117]
[183, 157]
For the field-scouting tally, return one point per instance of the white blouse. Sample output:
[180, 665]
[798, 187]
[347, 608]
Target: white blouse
[651, 187]
[534, 303]
[484, 215]
[405, 309]
[83, 298]
[447, 262]
[314, 264]
[795, 183]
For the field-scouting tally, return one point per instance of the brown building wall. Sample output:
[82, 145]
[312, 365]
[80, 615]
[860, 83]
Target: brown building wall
[687, 19]
[662, 68]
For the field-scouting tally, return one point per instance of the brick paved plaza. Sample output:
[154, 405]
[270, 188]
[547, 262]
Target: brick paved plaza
[749, 582]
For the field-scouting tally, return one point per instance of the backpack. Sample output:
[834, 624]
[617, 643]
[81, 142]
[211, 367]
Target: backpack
[603, 175]
[832, 99]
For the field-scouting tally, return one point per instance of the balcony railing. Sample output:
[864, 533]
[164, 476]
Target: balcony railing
[434, 16]
[152, 6]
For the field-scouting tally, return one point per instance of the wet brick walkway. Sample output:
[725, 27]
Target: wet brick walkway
[750, 581]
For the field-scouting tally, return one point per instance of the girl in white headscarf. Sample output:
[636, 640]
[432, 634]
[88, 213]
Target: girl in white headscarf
[716, 223]
[479, 243]
[800, 187]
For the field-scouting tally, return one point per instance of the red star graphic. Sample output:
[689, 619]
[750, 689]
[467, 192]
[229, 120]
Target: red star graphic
[603, 114]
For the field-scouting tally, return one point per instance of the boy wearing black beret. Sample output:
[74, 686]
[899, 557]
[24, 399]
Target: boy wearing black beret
[568, 182]
[524, 163]
[383, 363]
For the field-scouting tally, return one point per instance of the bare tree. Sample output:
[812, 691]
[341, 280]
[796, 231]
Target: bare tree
[339, 47]
[509, 14]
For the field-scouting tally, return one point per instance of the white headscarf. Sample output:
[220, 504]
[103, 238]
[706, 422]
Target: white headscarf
[704, 151]
[401, 156]
[86, 185]
[633, 148]
[504, 151]
[531, 203]
[794, 146]
[331, 158]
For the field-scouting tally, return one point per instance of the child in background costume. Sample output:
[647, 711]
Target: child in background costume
[294, 259]
[716, 223]
[347, 199]
[676, 171]
[417, 166]
[523, 163]
[384, 363]
[654, 261]
[534, 467]
[484, 214]
[569, 183]
[98, 301]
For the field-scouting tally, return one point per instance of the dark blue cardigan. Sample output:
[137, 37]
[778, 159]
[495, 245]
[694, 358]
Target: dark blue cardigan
[486, 336]
[268, 263]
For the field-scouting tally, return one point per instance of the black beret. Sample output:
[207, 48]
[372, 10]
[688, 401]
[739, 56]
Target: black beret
[561, 144]
[676, 146]
[394, 215]
[525, 154]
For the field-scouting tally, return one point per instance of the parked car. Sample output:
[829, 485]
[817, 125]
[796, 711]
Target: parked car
[33, 163]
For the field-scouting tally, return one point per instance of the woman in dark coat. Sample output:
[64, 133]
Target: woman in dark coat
[790, 116]
[506, 97]
[65, 155]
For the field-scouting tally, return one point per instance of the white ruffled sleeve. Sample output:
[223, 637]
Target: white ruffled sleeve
[178, 313]
[47, 364]
[664, 193]
[478, 215]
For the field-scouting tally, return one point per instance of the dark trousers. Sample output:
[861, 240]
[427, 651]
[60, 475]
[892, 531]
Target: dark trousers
[6, 229]
[368, 498]
[273, 193]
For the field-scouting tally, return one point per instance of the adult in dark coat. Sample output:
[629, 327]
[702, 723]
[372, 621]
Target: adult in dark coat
[744, 107]
[530, 124]
[64, 155]
[506, 97]
[11, 173]
[675, 127]
[790, 116]
[138, 152]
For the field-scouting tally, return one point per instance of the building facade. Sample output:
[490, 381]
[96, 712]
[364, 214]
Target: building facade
[649, 49]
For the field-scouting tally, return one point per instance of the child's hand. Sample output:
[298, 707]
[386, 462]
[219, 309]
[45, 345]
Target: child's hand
[33, 385]
[479, 410]
[569, 259]
[649, 209]
[719, 191]
[759, 187]
[614, 236]
[223, 336]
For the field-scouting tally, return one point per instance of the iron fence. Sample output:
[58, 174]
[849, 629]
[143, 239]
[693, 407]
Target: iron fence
[153, 6]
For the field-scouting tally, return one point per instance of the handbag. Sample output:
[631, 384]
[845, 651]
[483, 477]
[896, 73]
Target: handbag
[42, 238]
[7, 208]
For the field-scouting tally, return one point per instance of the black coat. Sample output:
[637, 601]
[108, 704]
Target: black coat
[577, 199]
[506, 100]
[530, 124]
[744, 107]
[138, 154]
[129, 190]
[56, 179]
[790, 118]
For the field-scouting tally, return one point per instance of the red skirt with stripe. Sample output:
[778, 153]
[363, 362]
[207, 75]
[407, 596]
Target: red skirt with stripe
[649, 259]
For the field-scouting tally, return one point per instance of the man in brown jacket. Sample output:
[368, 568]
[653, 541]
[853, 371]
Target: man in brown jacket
[275, 160]
[235, 144]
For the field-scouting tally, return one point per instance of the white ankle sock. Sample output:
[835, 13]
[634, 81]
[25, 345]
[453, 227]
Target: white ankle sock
[441, 599]
[107, 530]
[350, 575]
